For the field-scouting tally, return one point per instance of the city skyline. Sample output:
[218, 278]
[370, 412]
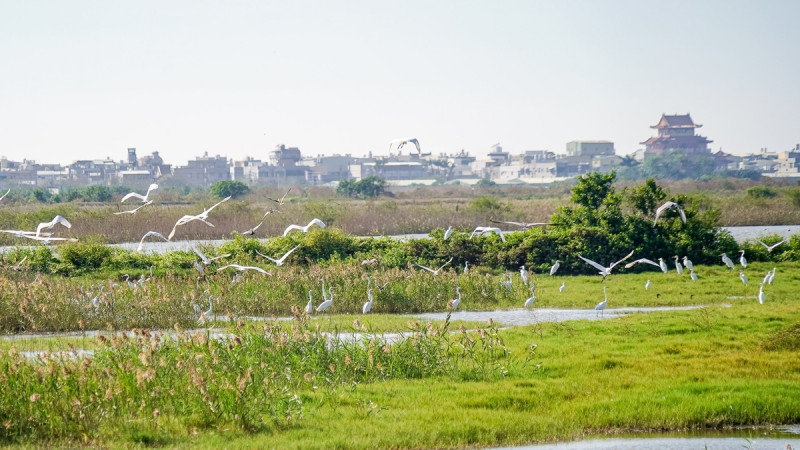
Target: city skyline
[87, 80]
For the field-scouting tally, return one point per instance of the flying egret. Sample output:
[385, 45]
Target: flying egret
[21, 233]
[678, 266]
[524, 274]
[523, 225]
[647, 286]
[484, 230]
[269, 211]
[280, 202]
[530, 300]
[203, 217]
[770, 248]
[605, 271]
[743, 277]
[310, 304]
[51, 224]
[434, 272]
[133, 211]
[4, 195]
[663, 265]
[727, 261]
[669, 206]
[401, 142]
[688, 263]
[692, 274]
[243, 268]
[761, 293]
[252, 231]
[47, 239]
[602, 305]
[144, 198]
[206, 260]
[147, 235]
[563, 286]
[644, 260]
[279, 262]
[555, 267]
[742, 259]
[453, 304]
[368, 305]
[448, 232]
[304, 229]
[328, 301]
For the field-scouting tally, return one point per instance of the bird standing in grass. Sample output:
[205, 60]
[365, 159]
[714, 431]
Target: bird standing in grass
[555, 267]
[453, 304]
[742, 259]
[530, 300]
[743, 277]
[727, 261]
[602, 305]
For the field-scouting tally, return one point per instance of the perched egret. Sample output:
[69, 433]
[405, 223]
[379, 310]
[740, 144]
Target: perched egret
[771, 247]
[669, 206]
[144, 198]
[772, 277]
[766, 277]
[280, 202]
[743, 277]
[563, 286]
[205, 316]
[279, 262]
[605, 271]
[692, 274]
[530, 300]
[51, 224]
[742, 259]
[368, 305]
[602, 305]
[524, 274]
[310, 303]
[484, 230]
[761, 293]
[523, 225]
[304, 229]
[678, 266]
[466, 267]
[436, 271]
[727, 261]
[328, 301]
[133, 211]
[688, 263]
[663, 265]
[448, 232]
[453, 304]
[555, 267]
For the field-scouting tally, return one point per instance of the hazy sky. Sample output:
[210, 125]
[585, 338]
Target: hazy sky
[88, 79]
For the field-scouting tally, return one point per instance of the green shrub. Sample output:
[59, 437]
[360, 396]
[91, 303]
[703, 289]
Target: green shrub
[761, 192]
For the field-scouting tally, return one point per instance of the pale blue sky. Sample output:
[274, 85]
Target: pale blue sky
[88, 79]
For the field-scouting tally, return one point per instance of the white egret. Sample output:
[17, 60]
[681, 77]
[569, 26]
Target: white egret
[205, 316]
[644, 260]
[743, 277]
[484, 230]
[279, 262]
[563, 286]
[555, 267]
[466, 267]
[523, 225]
[663, 265]
[133, 211]
[602, 305]
[144, 198]
[669, 206]
[605, 271]
[4, 195]
[203, 216]
[49, 225]
[310, 303]
[368, 305]
[761, 293]
[727, 261]
[688, 263]
[647, 286]
[678, 266]
[243, 268]
[434, 272]
[280, 202]
[772, 277]
[531, 299]
[20, 233]
[147, 235]
[448, 232]
[47, 240]
[771, 247]
[506, 281]
[692, 274]
[401, 142]
[206, 260]
[453, 304]
[304, 229]
[742, 259]
[524, 274]
[766, 277]
[328, 302]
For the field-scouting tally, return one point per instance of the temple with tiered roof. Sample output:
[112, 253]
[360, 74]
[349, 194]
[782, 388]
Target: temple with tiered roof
[677, 133]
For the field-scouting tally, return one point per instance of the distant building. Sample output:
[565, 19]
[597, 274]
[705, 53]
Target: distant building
[590, 148]
[202, 172]
[677, 133]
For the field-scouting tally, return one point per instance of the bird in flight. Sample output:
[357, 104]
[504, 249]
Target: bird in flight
[669, 206]
[434, 272]
[523, 225]
[279, 262]
[244, 268]
[605, 271]
[279, 202]
[144, 198]
[133, 211]
[483, 230]
[51, 224]
[206, 260]
[304, 229]
[769, 248]
[642, 260]
[203, 216]
[252, 231]
[147, 235]
[401, 142]
[4, 195]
